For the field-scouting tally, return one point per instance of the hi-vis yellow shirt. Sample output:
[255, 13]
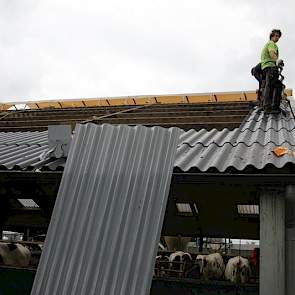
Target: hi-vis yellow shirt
[266, 60]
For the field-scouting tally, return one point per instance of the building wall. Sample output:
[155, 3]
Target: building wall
[203, 288]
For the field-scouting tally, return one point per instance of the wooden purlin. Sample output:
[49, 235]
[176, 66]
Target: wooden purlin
[183, 115]
[5, 106]
[238, 96]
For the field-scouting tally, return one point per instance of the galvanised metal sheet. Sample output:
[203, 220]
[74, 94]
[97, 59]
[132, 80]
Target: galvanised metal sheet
[108, 215]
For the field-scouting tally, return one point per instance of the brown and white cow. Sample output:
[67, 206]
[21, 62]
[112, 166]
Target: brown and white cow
[211, 266]
[14, 254]
[238, 270]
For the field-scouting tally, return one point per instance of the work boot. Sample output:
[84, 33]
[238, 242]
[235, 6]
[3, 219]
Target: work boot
[267, 109]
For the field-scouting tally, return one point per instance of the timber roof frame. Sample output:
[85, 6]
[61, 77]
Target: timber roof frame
[138, 100]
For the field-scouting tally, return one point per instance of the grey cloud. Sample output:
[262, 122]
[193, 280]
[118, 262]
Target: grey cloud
[63, 49]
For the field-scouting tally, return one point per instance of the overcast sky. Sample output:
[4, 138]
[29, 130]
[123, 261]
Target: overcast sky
[62, 49]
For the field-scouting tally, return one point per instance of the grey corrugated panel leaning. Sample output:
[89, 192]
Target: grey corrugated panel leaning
[108, 215]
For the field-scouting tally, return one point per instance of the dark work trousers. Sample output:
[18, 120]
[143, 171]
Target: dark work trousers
[271, 75]
[277, 95]
[258, 74]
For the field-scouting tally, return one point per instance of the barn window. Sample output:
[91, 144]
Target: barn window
[187, 209]
[248, 210]
[28, 203]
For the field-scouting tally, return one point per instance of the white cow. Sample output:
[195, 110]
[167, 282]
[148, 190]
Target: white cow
[180, 262]
[211, 266]
[14, 254]
[238, 270]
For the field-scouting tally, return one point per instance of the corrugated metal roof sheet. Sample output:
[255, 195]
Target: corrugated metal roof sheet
[108, 215]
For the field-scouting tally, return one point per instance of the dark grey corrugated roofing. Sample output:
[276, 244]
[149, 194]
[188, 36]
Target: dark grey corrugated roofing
[24, 138]
[109, 211]
[22, 150]
[223, 158]
[235, 137]
[26, 151]
[250, 145]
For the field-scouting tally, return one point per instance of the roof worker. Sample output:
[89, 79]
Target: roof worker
[269, 59]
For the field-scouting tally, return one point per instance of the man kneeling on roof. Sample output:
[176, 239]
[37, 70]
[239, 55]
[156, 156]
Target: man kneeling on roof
[271, 96]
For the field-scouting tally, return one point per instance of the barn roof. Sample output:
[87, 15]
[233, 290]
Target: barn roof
[246, 148]
[205, 147]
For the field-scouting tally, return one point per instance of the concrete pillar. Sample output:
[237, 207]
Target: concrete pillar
[272, 243]
[290, 240]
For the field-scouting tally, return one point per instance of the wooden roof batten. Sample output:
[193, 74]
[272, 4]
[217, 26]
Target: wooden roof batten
[192, 98]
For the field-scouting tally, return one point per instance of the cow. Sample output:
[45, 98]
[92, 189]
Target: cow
[161, 265]
[14, 254]
[180, 263]
[211, 266]
[35, 250]
[238, 270]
